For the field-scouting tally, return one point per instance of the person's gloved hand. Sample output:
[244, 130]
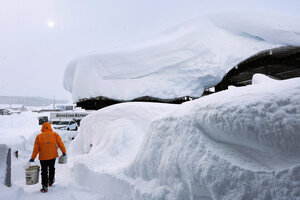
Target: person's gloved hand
[31, 160]
[64, 154]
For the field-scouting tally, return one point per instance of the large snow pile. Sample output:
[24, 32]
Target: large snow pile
[242, 143]
[16, 129]
[182, 61]
[114, 132]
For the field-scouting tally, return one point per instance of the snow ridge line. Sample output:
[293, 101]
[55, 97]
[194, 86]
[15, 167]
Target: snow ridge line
[196, 156]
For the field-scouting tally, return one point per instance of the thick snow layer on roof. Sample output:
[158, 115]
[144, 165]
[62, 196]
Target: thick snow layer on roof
[242, 143]
[181, 61]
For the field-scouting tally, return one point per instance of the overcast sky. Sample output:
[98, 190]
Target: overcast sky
[39, 37]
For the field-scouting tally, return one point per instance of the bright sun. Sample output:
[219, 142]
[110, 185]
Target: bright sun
[51, 24]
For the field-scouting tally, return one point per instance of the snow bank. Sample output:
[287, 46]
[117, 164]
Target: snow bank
[110, 138]
[182, 61]
[108, 142]
[19, 126]
[17, 131]
[242, 143]
[261, 78]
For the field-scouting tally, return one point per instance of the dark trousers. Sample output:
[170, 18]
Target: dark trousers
[47, 166]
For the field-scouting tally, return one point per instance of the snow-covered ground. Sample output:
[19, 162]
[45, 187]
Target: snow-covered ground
[18, 131]
[182, 61]
[242, 143]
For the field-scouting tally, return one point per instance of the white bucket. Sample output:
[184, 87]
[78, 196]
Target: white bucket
[62, 159]
[32, 175]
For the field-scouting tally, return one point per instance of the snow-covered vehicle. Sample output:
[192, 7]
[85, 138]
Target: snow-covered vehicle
[69, 125]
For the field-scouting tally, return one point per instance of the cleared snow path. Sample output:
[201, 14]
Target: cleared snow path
[62, 189]
[19, 131]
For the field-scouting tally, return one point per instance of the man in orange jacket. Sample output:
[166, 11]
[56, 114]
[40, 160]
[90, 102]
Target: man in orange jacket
[46, 146]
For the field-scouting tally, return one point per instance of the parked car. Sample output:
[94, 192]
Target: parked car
[42, 119]
[70, 125]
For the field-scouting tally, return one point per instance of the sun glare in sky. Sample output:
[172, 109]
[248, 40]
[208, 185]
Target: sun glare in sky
[51, 24]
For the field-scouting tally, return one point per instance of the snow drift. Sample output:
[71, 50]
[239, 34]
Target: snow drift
[108, 142]
[182, 61]
[114, 132]
[17, 130]
[242, 143]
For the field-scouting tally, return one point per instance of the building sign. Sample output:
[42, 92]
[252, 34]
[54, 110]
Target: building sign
[68, 115]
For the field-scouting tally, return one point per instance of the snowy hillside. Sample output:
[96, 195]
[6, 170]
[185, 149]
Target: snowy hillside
[242, 143]
[182, 61]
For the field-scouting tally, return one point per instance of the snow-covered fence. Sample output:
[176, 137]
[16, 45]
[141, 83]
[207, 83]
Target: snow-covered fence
[5, 165]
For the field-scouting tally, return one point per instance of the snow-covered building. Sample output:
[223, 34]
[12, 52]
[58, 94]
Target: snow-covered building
[184, 61]
[4, 112]
[278, 63]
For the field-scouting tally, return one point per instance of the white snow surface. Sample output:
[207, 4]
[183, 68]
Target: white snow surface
[114, 135]
[261, 78]
[182, 61]
[18, 132]
[242, 143]
[16, 129]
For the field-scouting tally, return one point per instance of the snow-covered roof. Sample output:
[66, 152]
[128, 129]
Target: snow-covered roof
[181, 61]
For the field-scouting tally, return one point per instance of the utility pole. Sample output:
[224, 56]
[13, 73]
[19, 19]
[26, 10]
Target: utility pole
[53, 102]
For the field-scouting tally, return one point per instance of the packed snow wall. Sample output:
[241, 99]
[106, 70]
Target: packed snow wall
[182, 61]
[242, 143]
[114, 134]
[108, 142]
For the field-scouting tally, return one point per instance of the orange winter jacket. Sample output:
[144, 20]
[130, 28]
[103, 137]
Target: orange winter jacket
[46, 144]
